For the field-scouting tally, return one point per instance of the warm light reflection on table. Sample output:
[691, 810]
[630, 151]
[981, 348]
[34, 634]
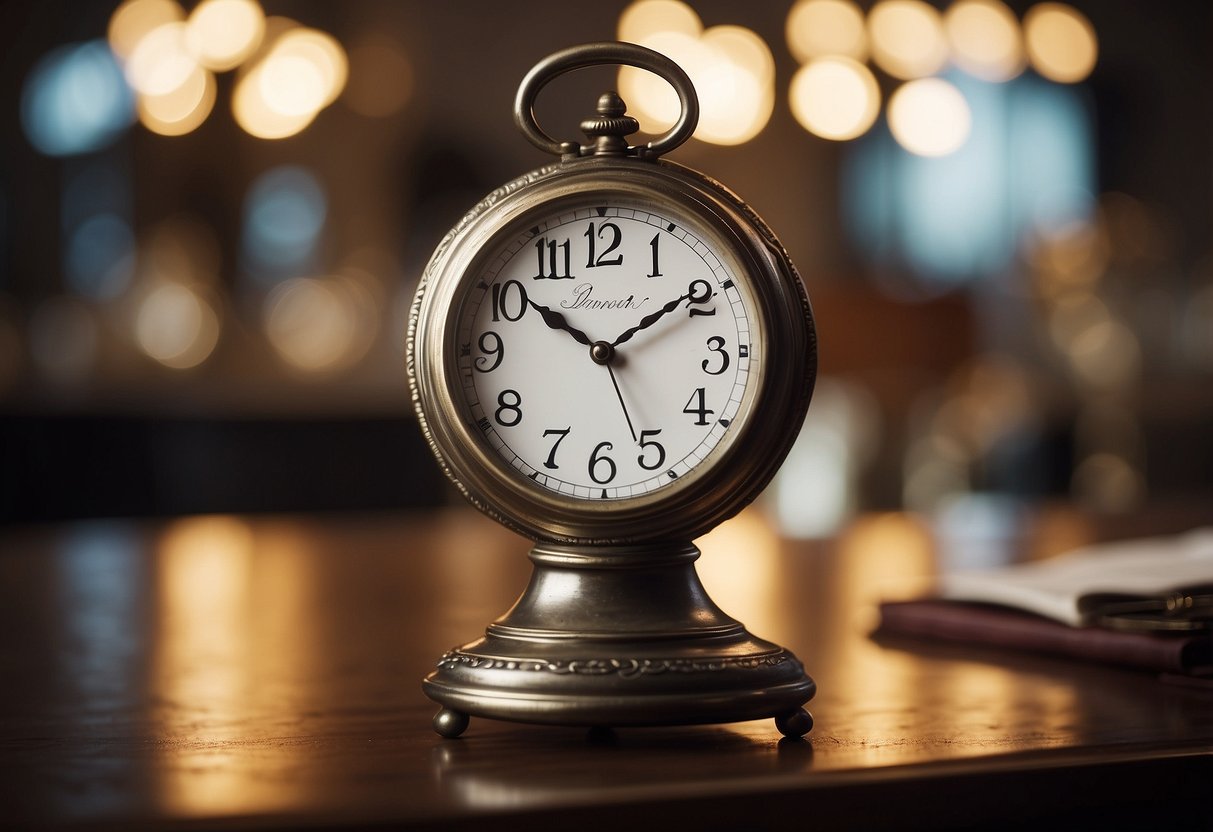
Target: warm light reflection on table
[218, 667]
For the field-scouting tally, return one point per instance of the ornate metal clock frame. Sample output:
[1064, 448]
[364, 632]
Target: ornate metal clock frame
[615, 628]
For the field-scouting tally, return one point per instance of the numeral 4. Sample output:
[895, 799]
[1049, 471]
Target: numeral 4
[697, 407]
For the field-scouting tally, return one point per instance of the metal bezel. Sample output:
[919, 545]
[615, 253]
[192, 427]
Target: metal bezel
[732, 475]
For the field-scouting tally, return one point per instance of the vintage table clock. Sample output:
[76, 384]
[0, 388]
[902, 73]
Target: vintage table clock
[611, 355]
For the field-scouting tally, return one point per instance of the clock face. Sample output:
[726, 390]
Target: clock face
[605, 352]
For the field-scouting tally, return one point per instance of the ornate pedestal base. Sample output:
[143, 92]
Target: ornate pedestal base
[618, 636]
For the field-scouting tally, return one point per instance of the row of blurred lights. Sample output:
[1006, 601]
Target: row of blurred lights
[158, 65]
[162, 294]
[834, 94]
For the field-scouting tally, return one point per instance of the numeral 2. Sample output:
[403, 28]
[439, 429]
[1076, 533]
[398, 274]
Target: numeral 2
[700, 291]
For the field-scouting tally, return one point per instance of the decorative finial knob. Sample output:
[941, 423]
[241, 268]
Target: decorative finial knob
[607, 130]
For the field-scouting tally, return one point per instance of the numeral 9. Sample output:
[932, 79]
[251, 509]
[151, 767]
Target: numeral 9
[490, 344]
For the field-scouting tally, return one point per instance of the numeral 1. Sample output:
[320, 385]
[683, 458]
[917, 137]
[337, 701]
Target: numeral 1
[653, 244]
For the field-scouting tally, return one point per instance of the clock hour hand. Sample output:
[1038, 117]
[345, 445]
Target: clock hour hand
[699, 291]
[556, 320]
[650, 319]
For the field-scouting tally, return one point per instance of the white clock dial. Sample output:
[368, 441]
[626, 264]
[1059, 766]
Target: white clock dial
[605, 351]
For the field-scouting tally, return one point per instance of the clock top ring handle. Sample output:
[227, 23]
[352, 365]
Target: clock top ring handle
[611, 119]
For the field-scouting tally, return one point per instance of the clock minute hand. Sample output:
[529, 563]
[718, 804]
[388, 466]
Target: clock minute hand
[622, 404]
[556, 320]
[650, 319]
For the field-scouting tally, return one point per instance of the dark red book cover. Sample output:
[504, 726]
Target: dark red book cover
[993, 626]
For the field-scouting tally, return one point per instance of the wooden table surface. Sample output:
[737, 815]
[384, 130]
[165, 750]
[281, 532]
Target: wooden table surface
[263, 673]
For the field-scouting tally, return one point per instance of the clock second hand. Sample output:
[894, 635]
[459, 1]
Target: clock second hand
[601, 353]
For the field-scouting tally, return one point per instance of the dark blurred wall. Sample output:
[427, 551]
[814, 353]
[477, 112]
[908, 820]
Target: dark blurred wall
[396, 183]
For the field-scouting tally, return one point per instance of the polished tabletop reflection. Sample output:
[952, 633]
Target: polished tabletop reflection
[265, 672]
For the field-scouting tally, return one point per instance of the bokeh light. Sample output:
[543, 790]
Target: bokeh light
[180, 110]
[740, 85]
[929, 117]
[643, 19]
[254, 114]
[300, 73]
[176, 326]
[1061, 42]
[650, 99]
[817, 489]
[99, 259]
[161, 62]
[75, 100]
[304, 72]
[731, 67]
[1068, 256]
[284, 215]
[907, 38]
[835, 98]
[135, 19]
[1108, 482]
[985, 39]
[1102, 351]
[319, 324]
[98, 241]
[825, 28]
[222, 33]
[1027, 163]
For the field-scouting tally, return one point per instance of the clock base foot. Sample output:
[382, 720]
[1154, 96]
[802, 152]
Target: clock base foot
[450, 723]
[610, 637]
[796, 724]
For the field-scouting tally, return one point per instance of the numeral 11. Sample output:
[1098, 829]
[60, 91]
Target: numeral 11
[552, 272]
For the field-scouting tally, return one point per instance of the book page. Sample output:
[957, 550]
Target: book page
[1145, 568]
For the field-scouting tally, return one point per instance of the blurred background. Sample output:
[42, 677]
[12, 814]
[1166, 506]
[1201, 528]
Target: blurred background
[213, 216]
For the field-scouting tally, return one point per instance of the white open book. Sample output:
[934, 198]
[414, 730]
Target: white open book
[1147, 582]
